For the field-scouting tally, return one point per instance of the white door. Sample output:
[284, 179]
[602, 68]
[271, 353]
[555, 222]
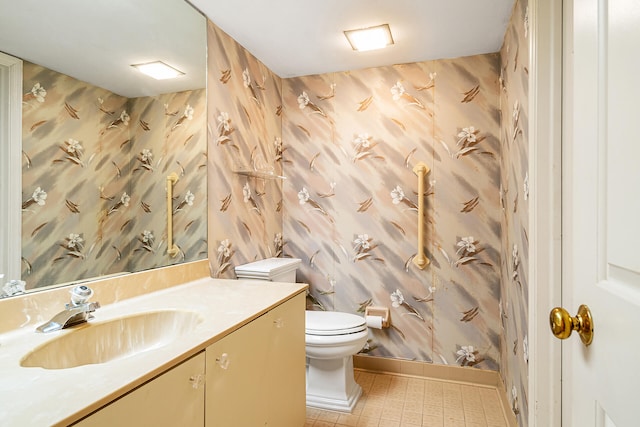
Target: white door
[10, 166]
[601, 210]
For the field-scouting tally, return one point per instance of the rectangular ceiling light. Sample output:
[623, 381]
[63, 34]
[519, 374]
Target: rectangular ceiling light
[370, 38]
[158, 70]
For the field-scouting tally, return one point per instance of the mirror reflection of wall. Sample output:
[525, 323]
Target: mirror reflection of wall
[94, 178]
[99, 137]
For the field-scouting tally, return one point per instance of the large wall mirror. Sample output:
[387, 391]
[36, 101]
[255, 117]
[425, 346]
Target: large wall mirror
[97, 139]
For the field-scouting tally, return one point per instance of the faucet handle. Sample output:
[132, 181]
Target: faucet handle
[81, 294]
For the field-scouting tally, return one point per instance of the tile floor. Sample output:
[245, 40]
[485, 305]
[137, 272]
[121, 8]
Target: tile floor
[390, 400]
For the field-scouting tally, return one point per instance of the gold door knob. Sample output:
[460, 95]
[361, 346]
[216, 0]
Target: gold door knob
[562, 324]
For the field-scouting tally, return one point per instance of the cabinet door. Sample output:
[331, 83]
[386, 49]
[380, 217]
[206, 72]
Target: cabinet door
[285, 385]
[236, 377]
[175, 398]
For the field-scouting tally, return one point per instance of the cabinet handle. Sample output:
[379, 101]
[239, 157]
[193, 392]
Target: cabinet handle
[223, 361]
[196, 380]
[279, 323]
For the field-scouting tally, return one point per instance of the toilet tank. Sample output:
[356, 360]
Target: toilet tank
[270, 269]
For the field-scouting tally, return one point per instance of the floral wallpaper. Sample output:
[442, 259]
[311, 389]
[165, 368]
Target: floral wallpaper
[347, 143]
[514, 203]
[351, 201]
[94, 178]
[245, 156]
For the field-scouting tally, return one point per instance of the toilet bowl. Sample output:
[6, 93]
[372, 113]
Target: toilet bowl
[331, 340]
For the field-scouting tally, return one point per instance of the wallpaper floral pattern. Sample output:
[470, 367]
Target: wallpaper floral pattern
[94, 166]
[245, 156]
[348, 144]
[350, 204]
[514, 203]
[348, 208]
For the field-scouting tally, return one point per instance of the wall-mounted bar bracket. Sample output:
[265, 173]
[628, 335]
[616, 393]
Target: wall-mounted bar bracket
[420, 260]
[172, 249]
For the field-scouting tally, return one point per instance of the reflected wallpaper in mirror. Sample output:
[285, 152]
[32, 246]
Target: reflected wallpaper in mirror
[94, 167]
[94, 172]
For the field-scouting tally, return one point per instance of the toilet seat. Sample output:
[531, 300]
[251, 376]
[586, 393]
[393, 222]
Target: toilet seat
[332, 323]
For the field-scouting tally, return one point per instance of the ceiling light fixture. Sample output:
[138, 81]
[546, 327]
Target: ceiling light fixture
[370, 38]
[158, 70]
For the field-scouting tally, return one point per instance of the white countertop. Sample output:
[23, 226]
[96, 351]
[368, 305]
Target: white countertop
[45, 397]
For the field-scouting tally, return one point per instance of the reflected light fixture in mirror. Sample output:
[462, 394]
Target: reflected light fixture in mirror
[158, 70]
[370, 38]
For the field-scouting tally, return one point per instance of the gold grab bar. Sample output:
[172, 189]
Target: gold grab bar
[420, 260]
[172, 249]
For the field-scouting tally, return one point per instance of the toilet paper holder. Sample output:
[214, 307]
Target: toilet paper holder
[383, 312]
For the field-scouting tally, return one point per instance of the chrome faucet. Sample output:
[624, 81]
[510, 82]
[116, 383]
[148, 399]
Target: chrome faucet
[78, 311]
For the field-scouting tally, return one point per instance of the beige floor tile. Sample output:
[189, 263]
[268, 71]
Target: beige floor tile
[368, 422]
[389, 423]
[494, 422]
[435, 393]
[416, 382]
[414, 418]
[312, 413]
[391, 413]
[432, 421]
[434, 410]
[372, 412]
[384, 378]
[414, 394]
[328, 416]
[454, 423]
[378, 390]
[375, 400]
[347, 420]
[472, 407]
[397, 381]
[395, 402]
[475, 417]
[357, 410]
[413, 406]
[451, 387]
[452, 402]
[396, 395]
[453, 413]
[390, 400]
[365, 377]
[495, 416]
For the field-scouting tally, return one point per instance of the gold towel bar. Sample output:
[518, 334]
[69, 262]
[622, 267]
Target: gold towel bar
[172, 249]
[420, 259]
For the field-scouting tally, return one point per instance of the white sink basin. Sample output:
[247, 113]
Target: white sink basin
[100, 342]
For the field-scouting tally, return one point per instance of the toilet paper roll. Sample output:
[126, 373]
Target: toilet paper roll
[374, 322]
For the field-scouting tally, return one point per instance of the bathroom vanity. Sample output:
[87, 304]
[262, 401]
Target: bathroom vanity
[240, 362]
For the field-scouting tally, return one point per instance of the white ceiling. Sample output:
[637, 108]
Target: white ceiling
[301, 37]
[96, 41]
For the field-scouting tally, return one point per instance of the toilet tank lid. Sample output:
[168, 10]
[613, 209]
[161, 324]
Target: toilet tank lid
[269, 265]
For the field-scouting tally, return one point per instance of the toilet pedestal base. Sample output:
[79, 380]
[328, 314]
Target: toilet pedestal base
[330, 384]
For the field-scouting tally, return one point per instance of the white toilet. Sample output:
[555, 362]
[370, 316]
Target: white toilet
[331, 340]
